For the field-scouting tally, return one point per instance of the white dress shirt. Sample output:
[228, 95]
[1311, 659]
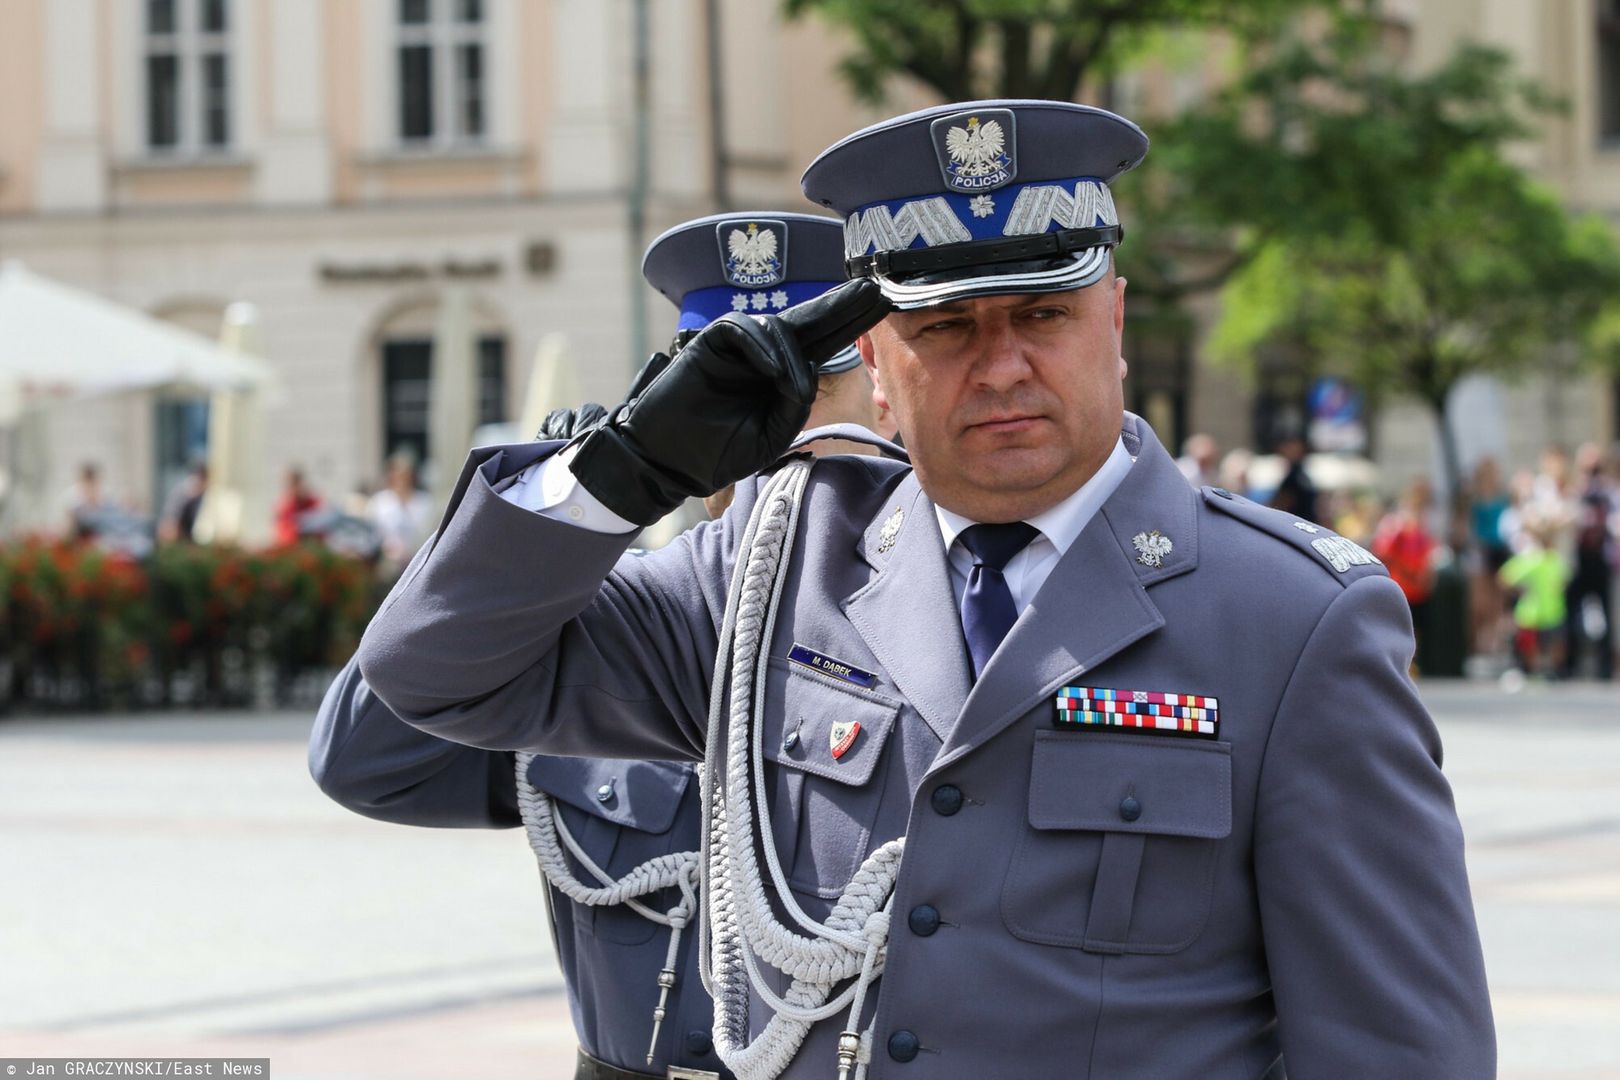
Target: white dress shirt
[549, 489]
[1028, 570]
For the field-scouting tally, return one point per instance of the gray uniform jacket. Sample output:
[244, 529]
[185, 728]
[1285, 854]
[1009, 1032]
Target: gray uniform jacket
[1292, 891]
[371, 762]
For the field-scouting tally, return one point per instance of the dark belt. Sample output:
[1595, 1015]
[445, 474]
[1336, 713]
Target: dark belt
[589, 1068]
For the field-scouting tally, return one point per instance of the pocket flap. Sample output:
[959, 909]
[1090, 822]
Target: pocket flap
[1180, 787]
[643, 795]
[800, 734]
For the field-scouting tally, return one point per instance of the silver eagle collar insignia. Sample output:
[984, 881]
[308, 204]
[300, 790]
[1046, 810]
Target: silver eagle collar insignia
[1151, 548]
[891, 530]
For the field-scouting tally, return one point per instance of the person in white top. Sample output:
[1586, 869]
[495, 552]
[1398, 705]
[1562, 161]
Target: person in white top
[402, 513]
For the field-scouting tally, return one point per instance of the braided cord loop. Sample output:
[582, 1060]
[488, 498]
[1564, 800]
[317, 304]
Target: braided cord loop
[549, 837]
[740, 930]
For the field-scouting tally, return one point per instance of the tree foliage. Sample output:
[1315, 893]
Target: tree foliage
[1390, 237]
[969, 49]
[1365, 220]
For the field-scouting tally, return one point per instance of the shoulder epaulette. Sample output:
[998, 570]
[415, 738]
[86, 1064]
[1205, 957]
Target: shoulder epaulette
[1344, 559]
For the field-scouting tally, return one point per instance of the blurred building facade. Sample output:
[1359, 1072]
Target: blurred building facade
[1572, 48]
[341, 163]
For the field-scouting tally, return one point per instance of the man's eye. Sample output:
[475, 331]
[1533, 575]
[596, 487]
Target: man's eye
[1043, 314]
[942, 326]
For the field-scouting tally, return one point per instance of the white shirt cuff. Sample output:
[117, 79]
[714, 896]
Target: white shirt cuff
[550, 489]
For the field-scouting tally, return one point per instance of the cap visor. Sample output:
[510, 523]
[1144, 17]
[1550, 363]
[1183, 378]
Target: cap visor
[925, 290]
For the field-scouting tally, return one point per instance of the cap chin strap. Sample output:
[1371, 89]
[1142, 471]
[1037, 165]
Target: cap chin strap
[549, 835]
[977, 253]
[740, 933]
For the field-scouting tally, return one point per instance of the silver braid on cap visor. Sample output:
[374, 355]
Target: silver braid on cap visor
[1088, 268]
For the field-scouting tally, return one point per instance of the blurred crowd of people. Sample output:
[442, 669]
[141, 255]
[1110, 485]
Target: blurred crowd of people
[1549, 543]
[386, 524]
[1539, 551]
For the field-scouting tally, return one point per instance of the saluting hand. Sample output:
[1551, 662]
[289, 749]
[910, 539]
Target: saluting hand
[728, 405]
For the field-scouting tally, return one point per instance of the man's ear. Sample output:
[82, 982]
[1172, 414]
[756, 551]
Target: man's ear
[1119, 306]
[869, 358]
[1119, 322]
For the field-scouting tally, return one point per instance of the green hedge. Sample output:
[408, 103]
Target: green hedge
[85, 628]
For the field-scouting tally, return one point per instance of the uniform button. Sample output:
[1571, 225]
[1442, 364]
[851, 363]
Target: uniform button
[1222, 492]
[947, 799]
[903, 1045]
[604, 793]
[791, 739]
[924, 919]
[698, 1043]
[576, 512]
[1129, 808]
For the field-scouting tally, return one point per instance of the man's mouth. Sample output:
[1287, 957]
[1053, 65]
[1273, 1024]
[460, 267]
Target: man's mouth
[1011, 422]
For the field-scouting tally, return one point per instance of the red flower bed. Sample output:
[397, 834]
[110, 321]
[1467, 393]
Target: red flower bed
[110, 629]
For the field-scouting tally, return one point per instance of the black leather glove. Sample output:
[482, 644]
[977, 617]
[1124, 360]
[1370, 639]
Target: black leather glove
[726, 407]
[566, 423]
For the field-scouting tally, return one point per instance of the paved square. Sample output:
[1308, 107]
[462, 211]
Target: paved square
[176, 886]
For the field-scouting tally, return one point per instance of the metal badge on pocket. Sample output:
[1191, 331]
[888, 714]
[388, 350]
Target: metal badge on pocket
[842, 737]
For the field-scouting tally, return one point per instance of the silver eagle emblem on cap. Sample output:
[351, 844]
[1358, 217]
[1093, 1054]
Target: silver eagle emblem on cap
[1151, 548]
[976, 149]
[753, 254]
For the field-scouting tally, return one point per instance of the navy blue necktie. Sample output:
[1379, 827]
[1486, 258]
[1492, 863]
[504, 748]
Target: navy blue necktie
[988, 611]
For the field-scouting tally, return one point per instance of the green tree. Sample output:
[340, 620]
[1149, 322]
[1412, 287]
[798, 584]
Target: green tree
[1389, 236]
[1320, 135]
[969, 49]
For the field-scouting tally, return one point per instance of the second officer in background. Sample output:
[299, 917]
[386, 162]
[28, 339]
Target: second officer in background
[621, 814]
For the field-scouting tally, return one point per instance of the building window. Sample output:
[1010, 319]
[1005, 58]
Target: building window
[407, 371]
[442, 72]
[1608, 45]
[188, 76]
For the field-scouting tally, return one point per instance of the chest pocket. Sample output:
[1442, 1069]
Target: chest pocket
[1119, 855]
[622, 813]
[822, 807]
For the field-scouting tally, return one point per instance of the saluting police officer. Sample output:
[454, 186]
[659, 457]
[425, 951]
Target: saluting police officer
[1170, 805]
[621, 813]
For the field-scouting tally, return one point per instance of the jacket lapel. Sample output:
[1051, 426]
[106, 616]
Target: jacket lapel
[907, 613]
[1095, 602]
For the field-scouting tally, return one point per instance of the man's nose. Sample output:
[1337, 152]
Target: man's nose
[1001, 362]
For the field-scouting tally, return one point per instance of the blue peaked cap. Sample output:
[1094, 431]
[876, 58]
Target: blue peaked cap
[981, 198]
[757, 262]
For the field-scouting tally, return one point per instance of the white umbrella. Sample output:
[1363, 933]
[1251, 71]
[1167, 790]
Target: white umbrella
[23, 502]
[452, 393]
[55, 337]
